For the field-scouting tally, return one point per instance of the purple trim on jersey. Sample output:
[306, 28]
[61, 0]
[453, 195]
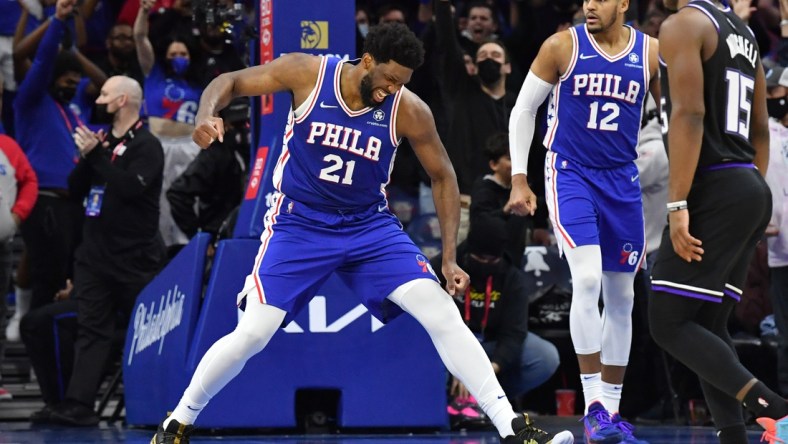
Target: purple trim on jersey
[732, 294]
[725, 166]
[708, 14]
[725, 3]
[690, 294]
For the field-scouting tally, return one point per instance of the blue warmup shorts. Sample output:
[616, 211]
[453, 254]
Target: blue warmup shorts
[301, 246]
[597, 206]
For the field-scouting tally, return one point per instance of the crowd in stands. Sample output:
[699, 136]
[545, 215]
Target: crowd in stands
[69, 70]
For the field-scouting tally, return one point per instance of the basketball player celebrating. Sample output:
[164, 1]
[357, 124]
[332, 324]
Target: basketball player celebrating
[719, 205]
[330, 213]
[598, 74]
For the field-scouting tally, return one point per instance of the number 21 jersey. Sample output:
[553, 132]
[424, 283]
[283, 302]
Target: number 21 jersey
[334, 158]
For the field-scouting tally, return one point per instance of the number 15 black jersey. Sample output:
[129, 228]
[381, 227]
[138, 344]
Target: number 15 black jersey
[728, 82]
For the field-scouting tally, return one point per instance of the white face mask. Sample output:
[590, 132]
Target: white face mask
[363, 28]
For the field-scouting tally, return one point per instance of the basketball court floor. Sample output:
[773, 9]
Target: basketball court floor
[22, 432]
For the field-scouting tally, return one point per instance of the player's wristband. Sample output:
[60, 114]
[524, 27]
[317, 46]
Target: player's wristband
[677, 206]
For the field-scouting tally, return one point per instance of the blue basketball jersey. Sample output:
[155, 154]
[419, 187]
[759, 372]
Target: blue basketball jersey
[595, 109]
[170, 98]
[335, 158]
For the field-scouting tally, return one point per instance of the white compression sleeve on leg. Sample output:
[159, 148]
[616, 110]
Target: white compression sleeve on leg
[459, 350]
[522, 120]
[585, 322]
[227, 357]
[618, 293]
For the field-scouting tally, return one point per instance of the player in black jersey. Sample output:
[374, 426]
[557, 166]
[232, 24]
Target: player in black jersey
[719, 203]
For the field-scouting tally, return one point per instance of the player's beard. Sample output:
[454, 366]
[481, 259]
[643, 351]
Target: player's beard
[366, 91]
[600, 26]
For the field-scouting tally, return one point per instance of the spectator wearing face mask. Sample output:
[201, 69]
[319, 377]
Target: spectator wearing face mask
[495, 308]
[121, 56]
[478, 106]
[44, 124]
[172, 94]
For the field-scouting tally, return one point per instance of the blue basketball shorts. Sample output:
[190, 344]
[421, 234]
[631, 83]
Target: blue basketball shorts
[301, 246]
[597, 206]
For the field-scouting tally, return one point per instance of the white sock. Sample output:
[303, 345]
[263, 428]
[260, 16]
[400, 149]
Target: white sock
[227, 357]
[23, 298]
[592, 388]
[612, 396]
[186, 412]
[459, 350]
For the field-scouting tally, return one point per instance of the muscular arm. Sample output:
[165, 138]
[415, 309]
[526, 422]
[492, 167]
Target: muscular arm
[291, 72]
[681, 45]
[759, 123]
[687, 37]
[415, 122]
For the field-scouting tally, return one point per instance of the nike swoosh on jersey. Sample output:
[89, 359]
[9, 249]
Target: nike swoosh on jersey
[584, 57]
[323, 105]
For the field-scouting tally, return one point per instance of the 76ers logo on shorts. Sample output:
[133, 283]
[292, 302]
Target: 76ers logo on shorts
[628, 256]
[424, 264]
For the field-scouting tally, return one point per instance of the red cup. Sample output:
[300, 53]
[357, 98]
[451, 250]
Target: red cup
[565, 402]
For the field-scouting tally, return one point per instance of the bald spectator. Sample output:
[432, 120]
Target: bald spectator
[120, 176]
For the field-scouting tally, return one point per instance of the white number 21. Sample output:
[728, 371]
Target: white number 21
[337, 163]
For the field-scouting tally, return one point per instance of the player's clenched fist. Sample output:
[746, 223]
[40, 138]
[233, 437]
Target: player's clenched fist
[522, 201]
[63, 8]
[208, 131]
[456, 279]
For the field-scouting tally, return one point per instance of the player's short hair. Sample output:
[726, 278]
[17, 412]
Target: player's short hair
[497, 146]
[394, 41]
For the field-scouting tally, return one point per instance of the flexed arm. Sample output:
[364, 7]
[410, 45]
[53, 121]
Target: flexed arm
[292, 72]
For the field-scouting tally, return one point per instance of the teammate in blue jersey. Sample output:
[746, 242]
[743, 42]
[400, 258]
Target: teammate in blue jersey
[597, 75]
[330, 215]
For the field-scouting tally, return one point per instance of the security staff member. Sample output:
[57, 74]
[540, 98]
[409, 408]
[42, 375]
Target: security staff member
[119, 175]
